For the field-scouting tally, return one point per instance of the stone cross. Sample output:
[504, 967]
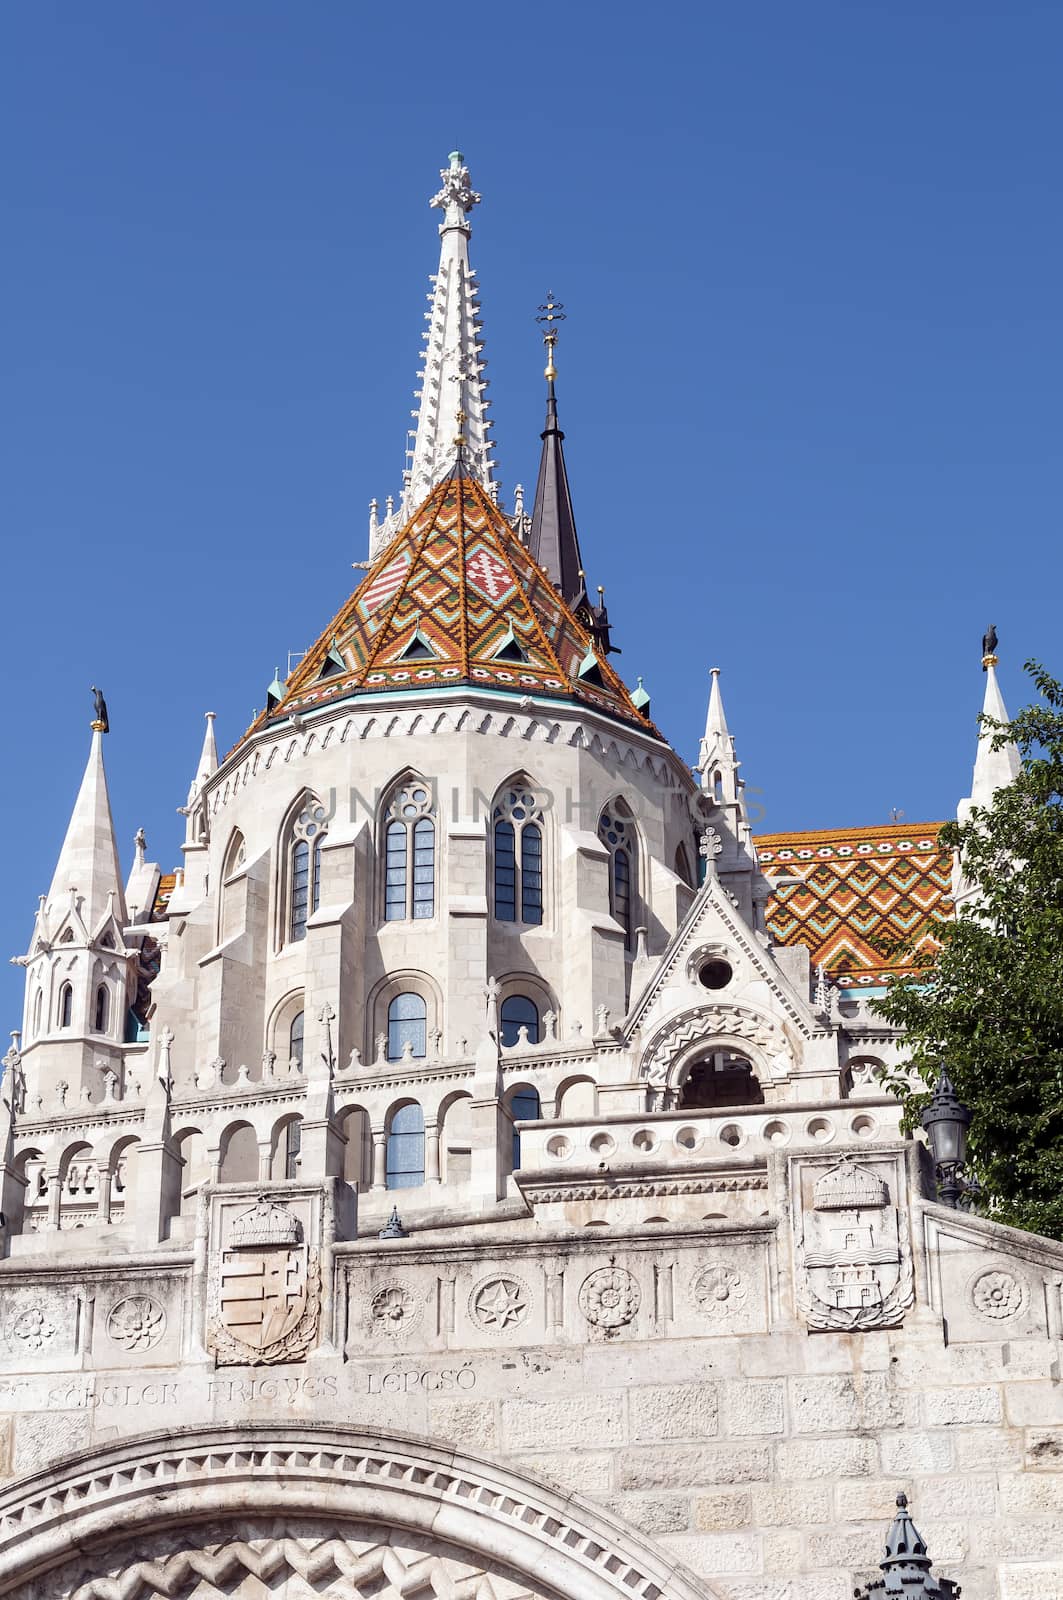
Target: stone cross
[710, 848]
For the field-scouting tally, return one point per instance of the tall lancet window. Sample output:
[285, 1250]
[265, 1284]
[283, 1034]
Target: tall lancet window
[410, 854]
[304, 865]
[66, 1005]
[518, 848]
[616, 830]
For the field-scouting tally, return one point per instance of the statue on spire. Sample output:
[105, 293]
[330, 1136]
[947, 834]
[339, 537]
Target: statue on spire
[100, 723]
[457, 196]
[989, 648]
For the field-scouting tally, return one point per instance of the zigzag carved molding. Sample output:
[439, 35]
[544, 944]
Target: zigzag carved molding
[132, 1486]
[369, 1571]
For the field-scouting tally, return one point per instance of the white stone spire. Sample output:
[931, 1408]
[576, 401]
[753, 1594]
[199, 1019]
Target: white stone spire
[993, 769]
[88, 861]
[717, 761]
[452, 374]
[208, 756]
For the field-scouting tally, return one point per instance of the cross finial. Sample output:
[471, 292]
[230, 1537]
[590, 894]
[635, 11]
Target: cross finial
[551, 312]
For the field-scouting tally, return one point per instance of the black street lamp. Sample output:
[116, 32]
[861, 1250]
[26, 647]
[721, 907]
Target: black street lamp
[906, 1573]
[946, 1120]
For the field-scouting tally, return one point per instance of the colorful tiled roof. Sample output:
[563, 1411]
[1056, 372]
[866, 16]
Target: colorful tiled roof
[167, 884]
[456, 599]
[858, 888]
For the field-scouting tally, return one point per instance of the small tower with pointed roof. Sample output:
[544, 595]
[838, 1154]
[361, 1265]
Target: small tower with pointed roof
[80, 971]
[995, 767]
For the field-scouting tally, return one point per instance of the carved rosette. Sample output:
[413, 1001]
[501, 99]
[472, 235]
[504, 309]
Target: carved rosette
[609, 1299]
[32, 1330]
[999, 1294]
[136, 1322]
[499, 1304]
[393, 1310]
[718, 1291]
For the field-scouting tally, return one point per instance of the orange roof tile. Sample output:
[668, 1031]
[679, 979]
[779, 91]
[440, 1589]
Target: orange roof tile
[456, 599]
[858, 888]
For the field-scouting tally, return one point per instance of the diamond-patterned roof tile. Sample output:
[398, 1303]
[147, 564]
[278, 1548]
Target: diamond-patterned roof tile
[458, 580]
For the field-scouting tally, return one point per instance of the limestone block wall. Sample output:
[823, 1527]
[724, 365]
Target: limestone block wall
[661, 1379]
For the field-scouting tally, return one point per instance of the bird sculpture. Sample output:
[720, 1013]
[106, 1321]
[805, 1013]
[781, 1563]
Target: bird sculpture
[989, 645]
[101, 710]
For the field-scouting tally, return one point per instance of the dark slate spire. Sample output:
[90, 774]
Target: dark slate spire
[552, 538]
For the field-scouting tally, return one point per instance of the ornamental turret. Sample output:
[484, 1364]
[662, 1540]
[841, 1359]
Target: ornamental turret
[80, 972]
[452, 375]
[995, 765]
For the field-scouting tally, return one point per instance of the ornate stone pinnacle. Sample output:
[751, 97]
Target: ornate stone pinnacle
[457, 196]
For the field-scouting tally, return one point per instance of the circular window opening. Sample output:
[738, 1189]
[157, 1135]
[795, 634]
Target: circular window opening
[716, 973]
[645, 1141]
[558, 1146]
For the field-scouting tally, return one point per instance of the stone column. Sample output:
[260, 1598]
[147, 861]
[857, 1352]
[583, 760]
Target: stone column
[103, 1199]
[55, 1196]
[431, 1152]
[380, 1148]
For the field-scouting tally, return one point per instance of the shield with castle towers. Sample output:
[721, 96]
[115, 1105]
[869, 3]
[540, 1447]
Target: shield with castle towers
[854, 1265]
[265, 1291]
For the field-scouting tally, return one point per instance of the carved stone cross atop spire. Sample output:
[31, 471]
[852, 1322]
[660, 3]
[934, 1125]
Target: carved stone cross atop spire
[457, 196]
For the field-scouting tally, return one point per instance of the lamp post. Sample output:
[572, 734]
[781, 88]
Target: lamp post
[946, 1120]
[906, 1573]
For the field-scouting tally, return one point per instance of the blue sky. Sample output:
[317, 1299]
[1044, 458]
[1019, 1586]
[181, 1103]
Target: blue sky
[810, 379]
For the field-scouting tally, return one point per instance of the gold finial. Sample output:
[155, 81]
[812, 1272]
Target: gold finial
[989, 660]
[550, 313]
[459, 437]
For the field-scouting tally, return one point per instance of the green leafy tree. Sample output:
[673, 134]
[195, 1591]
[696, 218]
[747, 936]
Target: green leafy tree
[989, 1002]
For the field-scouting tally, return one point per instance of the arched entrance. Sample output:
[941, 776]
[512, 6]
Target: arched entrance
[291, 1511]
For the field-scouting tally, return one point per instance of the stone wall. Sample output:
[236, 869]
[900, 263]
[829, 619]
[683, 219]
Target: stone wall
[663, 1379]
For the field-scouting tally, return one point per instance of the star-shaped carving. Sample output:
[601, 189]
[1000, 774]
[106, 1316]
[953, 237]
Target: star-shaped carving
[501, 1303]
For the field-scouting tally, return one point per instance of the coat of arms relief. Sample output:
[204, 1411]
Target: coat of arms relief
[265, 1286]
[853, 1253]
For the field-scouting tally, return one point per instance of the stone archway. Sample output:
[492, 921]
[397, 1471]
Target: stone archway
[291, 1511]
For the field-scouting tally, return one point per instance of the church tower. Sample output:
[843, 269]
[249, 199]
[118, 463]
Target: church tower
[450, 1180]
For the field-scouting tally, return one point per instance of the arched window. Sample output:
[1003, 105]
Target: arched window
[304, 866]
[407, 1027]
[720, 1079]
[404, 1168]
[293, 1144]
[100, 1013]
[682, 866]
[524, 1106]
[38, 1009]
[518, 1011]
[230, 906]
[66, 1005]
[295, 1037]
[616, 830]
[410, 854]
[518, 841]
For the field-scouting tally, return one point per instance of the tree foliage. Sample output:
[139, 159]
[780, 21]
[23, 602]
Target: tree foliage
[988, 1004]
